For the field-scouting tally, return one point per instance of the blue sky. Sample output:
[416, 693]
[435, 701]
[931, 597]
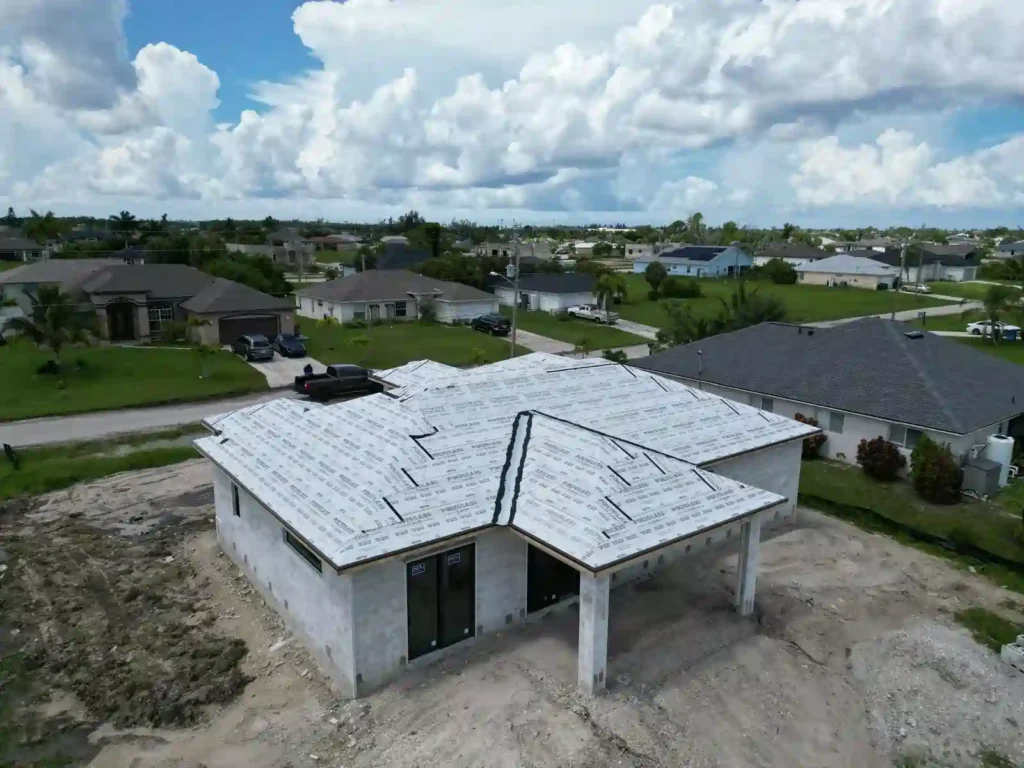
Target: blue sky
[819, 112]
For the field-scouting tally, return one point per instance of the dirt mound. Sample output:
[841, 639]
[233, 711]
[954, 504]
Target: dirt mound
[114, 618]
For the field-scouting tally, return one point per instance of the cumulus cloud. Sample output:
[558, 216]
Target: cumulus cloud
[519, 105]
[897, 169]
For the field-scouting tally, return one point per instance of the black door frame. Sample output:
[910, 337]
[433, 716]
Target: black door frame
[121, 325]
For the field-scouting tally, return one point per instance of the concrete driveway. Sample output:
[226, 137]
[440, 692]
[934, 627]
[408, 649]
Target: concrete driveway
[281, 371]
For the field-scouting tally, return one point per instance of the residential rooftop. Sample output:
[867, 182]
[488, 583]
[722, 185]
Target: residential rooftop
[870, 367]
[848, 264]
[598, 462]
[391, 285]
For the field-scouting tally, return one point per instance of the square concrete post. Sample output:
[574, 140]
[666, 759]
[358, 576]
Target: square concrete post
[593, 649]
[746, 572]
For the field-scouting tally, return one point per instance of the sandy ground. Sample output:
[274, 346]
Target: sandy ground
[853, 660]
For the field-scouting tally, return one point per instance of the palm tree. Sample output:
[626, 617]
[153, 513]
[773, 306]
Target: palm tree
[42, 228]
[55, 320]
[610, 287]
[583, 347]
[998, 299]
[696, 230]
[124, 224]
[745, 309]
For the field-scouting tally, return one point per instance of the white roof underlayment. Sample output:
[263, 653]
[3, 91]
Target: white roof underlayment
[597, 461]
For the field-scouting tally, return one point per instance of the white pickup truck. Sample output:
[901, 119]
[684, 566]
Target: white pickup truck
[594, 313]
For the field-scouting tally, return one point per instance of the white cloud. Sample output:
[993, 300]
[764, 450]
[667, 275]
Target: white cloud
[468, 105]
[897, 169]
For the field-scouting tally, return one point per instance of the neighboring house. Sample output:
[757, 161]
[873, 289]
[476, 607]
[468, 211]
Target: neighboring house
[503, 250]
[964, 238]
[548, 292]
[342, 242]
[794, 254]
[20, 249]
[1011, 250]
[929, 263]
[860, 380]
[390, 532]
[390, 295]
[138, 302]
[290, 249]
[395, 240]
[634, 251]
[848, 270]
[877, 244]
[464, 244]
[700, 261]
[17, 284]
[232, 309]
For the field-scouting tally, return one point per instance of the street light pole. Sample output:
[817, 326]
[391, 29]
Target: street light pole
[515, 301]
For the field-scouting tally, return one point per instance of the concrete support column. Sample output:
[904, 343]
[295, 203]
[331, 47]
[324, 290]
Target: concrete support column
[746, 574]
[593, 647]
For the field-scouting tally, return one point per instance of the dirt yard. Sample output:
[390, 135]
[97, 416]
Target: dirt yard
[130, 642]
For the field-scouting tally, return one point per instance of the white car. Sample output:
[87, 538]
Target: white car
[984, 328]
[917, 289]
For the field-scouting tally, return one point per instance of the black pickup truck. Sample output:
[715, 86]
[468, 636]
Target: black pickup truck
[339, 381]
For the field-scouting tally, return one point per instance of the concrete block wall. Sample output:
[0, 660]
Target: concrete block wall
[775, 469]
[501, 558]
[316, 606]
[380, 624]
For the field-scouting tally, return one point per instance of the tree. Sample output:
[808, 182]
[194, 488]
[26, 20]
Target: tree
[675, 287]
[654, 274]
[602, 250]
[812, 445]
[55, 320]
[696, 229]
[583, 347]
[787, 231]
[257, 272]
[935, 472]
[12, 220]
[204, 352]
[880, 459]
[331, 273]
[684, 327]
[609, 288]
[998, 299]
[744, 309]
[779, 272]
[42, 228]
[124, 224]
[270, 224]
[730, 233]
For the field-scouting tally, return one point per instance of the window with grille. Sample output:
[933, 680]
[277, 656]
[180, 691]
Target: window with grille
[159, 316]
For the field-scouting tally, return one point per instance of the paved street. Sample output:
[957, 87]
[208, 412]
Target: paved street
[910, 314]
[89, 426]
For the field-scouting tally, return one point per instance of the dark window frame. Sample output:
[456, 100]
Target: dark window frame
[303, 551]
[401, 308]
[236, 504]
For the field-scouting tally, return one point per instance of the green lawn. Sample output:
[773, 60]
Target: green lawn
[1008, 350]
[6, 265]
[103, 377]
[970, 291]
[956, 322]
[994, 526]
[351, 258]
[804, 303]
[386, 346]
[572, 330]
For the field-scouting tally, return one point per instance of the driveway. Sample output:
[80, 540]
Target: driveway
[90, 426]
[281, 371]
[537, 343]
[638, 329]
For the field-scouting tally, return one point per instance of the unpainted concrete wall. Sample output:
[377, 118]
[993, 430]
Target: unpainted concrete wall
[316, 606]
[775, 469]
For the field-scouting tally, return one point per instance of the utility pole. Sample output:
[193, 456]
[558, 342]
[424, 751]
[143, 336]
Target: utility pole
[515, 291]
[903, 267]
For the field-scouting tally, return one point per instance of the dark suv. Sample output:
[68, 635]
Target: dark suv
[253, 347]
[494, 324]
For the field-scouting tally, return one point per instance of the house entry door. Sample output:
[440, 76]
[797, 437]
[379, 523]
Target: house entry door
[441, 599]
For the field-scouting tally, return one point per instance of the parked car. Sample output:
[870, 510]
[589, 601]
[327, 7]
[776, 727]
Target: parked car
[922, 288]
[984, 328]
[494, 324]
[593, 313]
[339, 380]
[253, 347]
[290, 345]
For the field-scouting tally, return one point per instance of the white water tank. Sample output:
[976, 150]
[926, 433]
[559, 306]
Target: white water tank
[1000, 450]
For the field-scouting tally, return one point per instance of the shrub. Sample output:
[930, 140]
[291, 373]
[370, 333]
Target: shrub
[779, 272]
[880, 459]
[653, 295]
[428, 311]
[331, 273]
[174, 331]
[814, 443]
[935, 472]
[356, 324]
[654, 274]
[680, 288]
[615, 355]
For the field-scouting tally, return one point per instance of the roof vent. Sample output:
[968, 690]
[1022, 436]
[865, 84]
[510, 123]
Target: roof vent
[914, 335]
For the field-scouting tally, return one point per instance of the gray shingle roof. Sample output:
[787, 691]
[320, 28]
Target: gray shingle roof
[555, 282]
[228, 296]
[793, 251]
[158, 281]
[65, 272]
[390, 285]
[848, 264]
[867, 366]
[19, 244]
[692, 253]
